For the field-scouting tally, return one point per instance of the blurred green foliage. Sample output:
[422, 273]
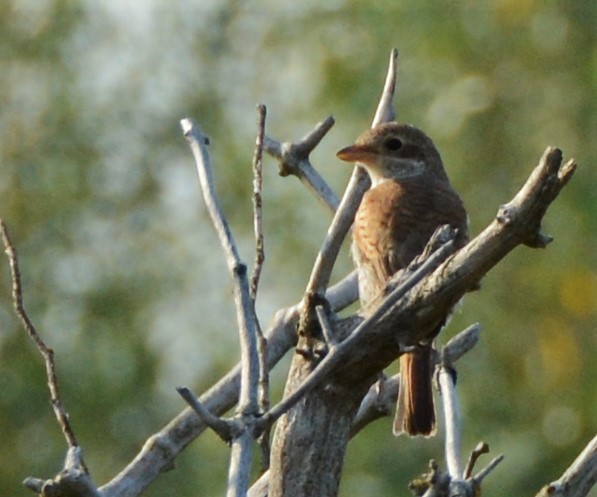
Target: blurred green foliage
[122, 273]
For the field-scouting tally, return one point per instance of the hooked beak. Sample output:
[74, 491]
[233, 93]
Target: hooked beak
[356, 153]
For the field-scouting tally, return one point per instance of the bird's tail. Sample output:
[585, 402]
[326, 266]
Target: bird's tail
[415, 412]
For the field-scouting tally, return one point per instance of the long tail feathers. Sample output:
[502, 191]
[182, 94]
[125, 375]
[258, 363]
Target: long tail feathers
[415, 412]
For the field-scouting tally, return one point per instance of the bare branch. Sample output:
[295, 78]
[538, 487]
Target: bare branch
[258, 200]
[480, 476]
[294, 160]
[452, 418]
[344, 216]
[219, 426]
[579, 478]
[161, 448]
[385, 109]
[326, 327]
[46, 352]
[248, 405]
[73, 480]
[454, 349]
[379, 402]
[263, 390]
[460, 344]
[480, 449]
[244, 304]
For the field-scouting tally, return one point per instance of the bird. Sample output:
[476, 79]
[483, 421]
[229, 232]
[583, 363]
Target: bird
[409, 198]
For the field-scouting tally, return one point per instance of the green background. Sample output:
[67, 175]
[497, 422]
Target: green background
[122, 271]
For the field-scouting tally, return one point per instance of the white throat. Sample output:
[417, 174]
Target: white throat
[395, 170]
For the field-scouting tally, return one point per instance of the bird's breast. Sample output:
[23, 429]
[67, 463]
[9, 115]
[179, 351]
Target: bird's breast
[394, 223]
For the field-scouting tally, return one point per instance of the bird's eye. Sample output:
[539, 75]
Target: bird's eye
[393, 144]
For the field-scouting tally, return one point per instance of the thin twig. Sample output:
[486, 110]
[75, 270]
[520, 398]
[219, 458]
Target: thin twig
[460, 344]
[480, 449]
[258, 200]
[385, 109]
[480, 476]
[46, 352]
[326, 327]
[244, 305]
[293, 159]
[218, 425]
[263, 390]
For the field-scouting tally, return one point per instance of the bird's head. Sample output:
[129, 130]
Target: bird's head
[395, 151]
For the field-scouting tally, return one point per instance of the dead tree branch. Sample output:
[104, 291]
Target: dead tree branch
[46, 352]
[161, 449]
[74, 479]
[579, 478]
[248, 404]
[257, 166]
[294, 160]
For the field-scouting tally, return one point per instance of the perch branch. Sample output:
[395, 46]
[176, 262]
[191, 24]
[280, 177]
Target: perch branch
[380, 400]
[342, 351]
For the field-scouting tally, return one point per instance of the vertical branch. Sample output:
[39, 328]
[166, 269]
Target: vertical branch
[46, 352]
[354, 191]
[358, 184]
[451, 352]
[258, 200]
[263, 390]
[385, 110]
[452, 418]
[244, 305]
[240, 466]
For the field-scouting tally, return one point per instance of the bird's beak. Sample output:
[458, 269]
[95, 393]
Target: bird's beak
[356, 153]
